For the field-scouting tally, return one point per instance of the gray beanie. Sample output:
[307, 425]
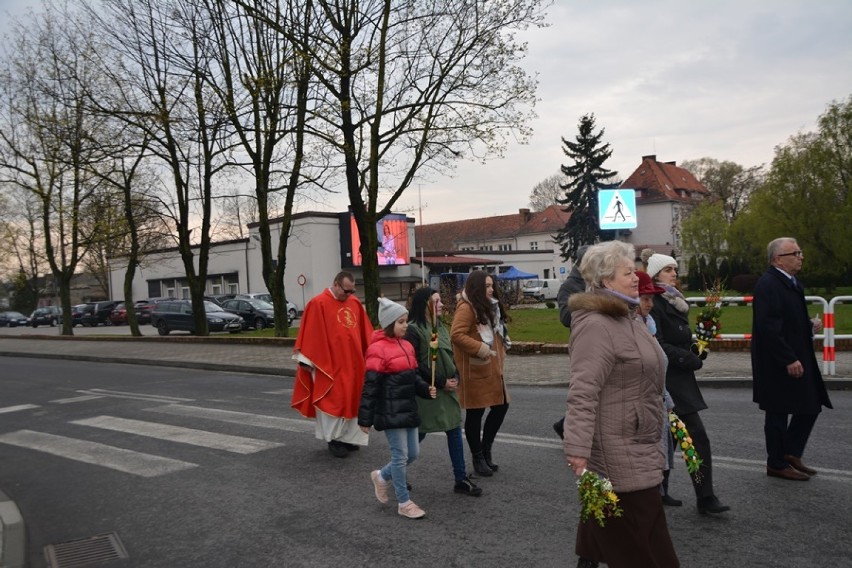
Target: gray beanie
[389, 312]
[657, 262]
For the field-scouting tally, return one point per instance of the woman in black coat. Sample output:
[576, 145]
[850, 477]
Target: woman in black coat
[674, 333]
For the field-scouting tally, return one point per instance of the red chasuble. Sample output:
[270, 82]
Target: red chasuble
[334, 335]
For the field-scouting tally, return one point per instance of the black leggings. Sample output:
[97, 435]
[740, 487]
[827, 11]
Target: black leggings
[476, 435]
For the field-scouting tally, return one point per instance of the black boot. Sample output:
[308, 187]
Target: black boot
[480, 466]
[486, 453]
[668, 499]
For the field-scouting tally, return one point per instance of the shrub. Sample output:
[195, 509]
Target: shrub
[550, 304]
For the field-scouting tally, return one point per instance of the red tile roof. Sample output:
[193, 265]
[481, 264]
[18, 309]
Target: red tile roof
[663, 181]
[445, 236]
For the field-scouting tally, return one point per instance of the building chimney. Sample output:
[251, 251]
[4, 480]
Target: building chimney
[672, 163]
[652, 157]
[525, 215]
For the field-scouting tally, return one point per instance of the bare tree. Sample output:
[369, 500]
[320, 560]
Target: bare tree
[48, 140]
[265, 86]
[728, 182]
[547, 192]
[162, 64]
[412, 86]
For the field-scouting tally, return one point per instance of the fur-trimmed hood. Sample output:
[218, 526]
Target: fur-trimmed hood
[599, 302]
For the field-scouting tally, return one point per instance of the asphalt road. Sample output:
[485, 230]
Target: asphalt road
[208, 469]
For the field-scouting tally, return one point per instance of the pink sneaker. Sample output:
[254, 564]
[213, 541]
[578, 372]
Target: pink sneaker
[411, 511]
[380, 486]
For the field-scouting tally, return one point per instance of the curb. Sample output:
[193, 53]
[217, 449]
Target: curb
[12, 534]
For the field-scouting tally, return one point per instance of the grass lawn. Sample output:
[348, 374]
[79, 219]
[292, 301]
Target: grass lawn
[542, 325]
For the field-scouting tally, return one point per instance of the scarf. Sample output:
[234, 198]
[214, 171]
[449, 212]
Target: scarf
[675, 298]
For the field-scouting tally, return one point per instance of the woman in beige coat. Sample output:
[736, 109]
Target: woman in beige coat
[479, 338]
[612, 426]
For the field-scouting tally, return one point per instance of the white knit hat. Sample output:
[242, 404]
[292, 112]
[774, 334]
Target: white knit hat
[659, 261]
[389, 312]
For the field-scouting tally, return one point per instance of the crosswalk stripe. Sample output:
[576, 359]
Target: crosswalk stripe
[127, 461]
[233, 417]
[228, 443]
[73, 399]
[135, 395]
[17, 408]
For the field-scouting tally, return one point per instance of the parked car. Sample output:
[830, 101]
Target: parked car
[98, 314]
[143, 308]
[47, 315]
[292, 312]
[13, 319]
[118, 315]
[81, 313]
[176, 315]
[255, 313]
[220, 298]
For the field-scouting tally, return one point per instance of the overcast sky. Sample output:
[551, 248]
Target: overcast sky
[680, 79]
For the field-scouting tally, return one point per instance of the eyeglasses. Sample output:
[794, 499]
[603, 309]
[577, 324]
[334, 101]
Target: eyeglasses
[794, 253]
[345, 291]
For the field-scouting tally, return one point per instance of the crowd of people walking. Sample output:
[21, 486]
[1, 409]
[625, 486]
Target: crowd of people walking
[633, 361]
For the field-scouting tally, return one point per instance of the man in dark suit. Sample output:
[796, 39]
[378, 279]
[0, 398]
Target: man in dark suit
[786, 376]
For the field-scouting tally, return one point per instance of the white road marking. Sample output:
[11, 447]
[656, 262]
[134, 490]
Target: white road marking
[279, 391]
[136, 395]
[126, 461]
[73, 399]
[228, 443]
[17, 408]
[245, 418]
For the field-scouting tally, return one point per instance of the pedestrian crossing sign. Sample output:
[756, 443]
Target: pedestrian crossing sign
[617, 209]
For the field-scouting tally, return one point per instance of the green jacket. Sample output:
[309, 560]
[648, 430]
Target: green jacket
[444, 412]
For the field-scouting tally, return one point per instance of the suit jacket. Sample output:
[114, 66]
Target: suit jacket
[782, 333]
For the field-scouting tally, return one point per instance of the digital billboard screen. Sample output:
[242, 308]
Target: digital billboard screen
[392, 234]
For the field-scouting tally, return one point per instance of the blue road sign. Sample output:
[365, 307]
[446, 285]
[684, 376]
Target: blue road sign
[617, 208]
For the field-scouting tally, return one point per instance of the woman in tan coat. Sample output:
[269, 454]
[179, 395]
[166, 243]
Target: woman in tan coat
[479, 337]
[612, 426]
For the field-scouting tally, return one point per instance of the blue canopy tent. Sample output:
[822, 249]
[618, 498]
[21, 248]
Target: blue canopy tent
[515, 274]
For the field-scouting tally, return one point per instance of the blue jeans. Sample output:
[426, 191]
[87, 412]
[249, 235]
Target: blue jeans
[404, 448]
[456, 449]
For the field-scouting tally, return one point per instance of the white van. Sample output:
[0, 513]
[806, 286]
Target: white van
[541, 290]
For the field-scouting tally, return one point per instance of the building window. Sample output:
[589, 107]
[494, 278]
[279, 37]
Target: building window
[233, 288]
[184, 293]
[504, 247]
[534, 245]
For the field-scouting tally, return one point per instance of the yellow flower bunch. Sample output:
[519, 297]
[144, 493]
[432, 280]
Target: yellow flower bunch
[597, 499]
[684, 442]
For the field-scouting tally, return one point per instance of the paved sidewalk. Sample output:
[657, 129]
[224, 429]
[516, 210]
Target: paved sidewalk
[274, 358]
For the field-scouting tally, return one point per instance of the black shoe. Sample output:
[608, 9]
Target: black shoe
[670, 501]
[559, 428]
[350, 447]
[711, 505]
[337, 449]
[586, 563]
[480, 467]
[486, 453]
[467, 487]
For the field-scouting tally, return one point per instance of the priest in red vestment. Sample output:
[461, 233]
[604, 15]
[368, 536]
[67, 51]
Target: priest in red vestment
[333, 338]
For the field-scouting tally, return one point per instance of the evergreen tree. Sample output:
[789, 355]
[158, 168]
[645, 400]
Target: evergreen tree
[586, 176]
